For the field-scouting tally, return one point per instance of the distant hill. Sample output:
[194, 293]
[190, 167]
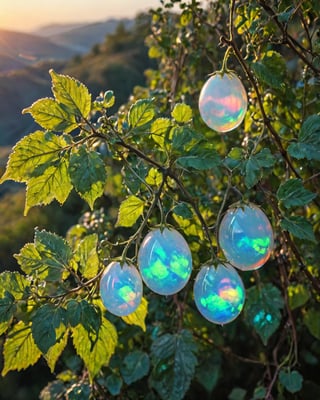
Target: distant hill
[55, 29]
[82, 38]
[21, 49]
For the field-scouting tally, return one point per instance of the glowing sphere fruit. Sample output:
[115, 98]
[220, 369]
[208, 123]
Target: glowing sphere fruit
[219, 293]
[246, 237]
[223, 102]
[121, 289]
[165, 262]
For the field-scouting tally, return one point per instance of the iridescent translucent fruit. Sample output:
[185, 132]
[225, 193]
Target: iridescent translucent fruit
[223, 102]
[219, 293]
[165, 262]
[121, 289]
[246, 237]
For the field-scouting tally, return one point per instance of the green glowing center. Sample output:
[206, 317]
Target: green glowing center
[260, 245]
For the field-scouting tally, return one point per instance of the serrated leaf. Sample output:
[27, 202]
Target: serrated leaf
[130, 210]
[182, 113]
[31, 153]
[262, 310]
[200, 157]
[174, 361]
[184, 138]
[291, 380]
[159, 130]
[88, 174]
[7, 307]
[45, 321]
[141, 112]
[50, 115]
[312, 321]
[292, 193]
[20, 350]
[135, 366]
[87, 256]
[271, 69]
[138, 316]
[298, 226]
[72, 94]
[298, 295]
[53, 184]
[308, 145]
[86, 314]
[96, 351]
[56, 350]
[15, 283]
[255, 165]
[47, 258]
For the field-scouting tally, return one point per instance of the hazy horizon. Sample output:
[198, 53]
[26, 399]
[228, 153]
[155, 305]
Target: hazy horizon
[29, 16]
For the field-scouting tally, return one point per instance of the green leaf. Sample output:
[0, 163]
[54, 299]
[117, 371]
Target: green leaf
[292, 193]
[255, 165]
[53, 184]
[298, 226]
[49, 114]
[87, 256]
[182, 113]
[20, 350]
[135, 366]
[184, 138]
[262, 310]
[108, 99]
[200, 157]
[298, 295]
[15, 283]
[159, 130]
[7, 307]
[44, 323]
[183, 210]
[141, 112]
[88, 174]
[84, 313]
[291, 380]
[154, 177]
[138, 316]
[130, 210]
[114, 384]
[96, 351]
[209, 370]
[55, 351]
[79, 391]
[312, 321]
[174, 360]
[33, 152]
[47, 258]
[72, 94]
[237, 394]
[271, 70]
[308, 144]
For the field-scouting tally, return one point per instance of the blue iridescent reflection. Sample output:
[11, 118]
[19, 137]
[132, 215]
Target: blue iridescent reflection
[246, 237]
[165, 262]
[121, 289]
[219, 293]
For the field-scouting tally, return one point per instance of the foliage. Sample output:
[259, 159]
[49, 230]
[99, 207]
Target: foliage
[158, 164]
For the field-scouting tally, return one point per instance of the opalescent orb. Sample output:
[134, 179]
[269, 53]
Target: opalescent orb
[219, 293]
[165, 262]
[121, 289]
[223, 102]
[246, 237]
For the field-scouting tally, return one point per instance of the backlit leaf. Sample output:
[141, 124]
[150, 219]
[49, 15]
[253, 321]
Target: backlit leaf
[87, 256]
[159, 130]
[130, 210]
[141, 112]
[20, 350]
[88, 174]
[138, 316]
[72, 94]
[96, 351]
[15, 283]
[50, 115]
[56, 350]
[182, 113]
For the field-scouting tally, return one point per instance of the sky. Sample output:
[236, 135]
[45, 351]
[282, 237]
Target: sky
[28, 15]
